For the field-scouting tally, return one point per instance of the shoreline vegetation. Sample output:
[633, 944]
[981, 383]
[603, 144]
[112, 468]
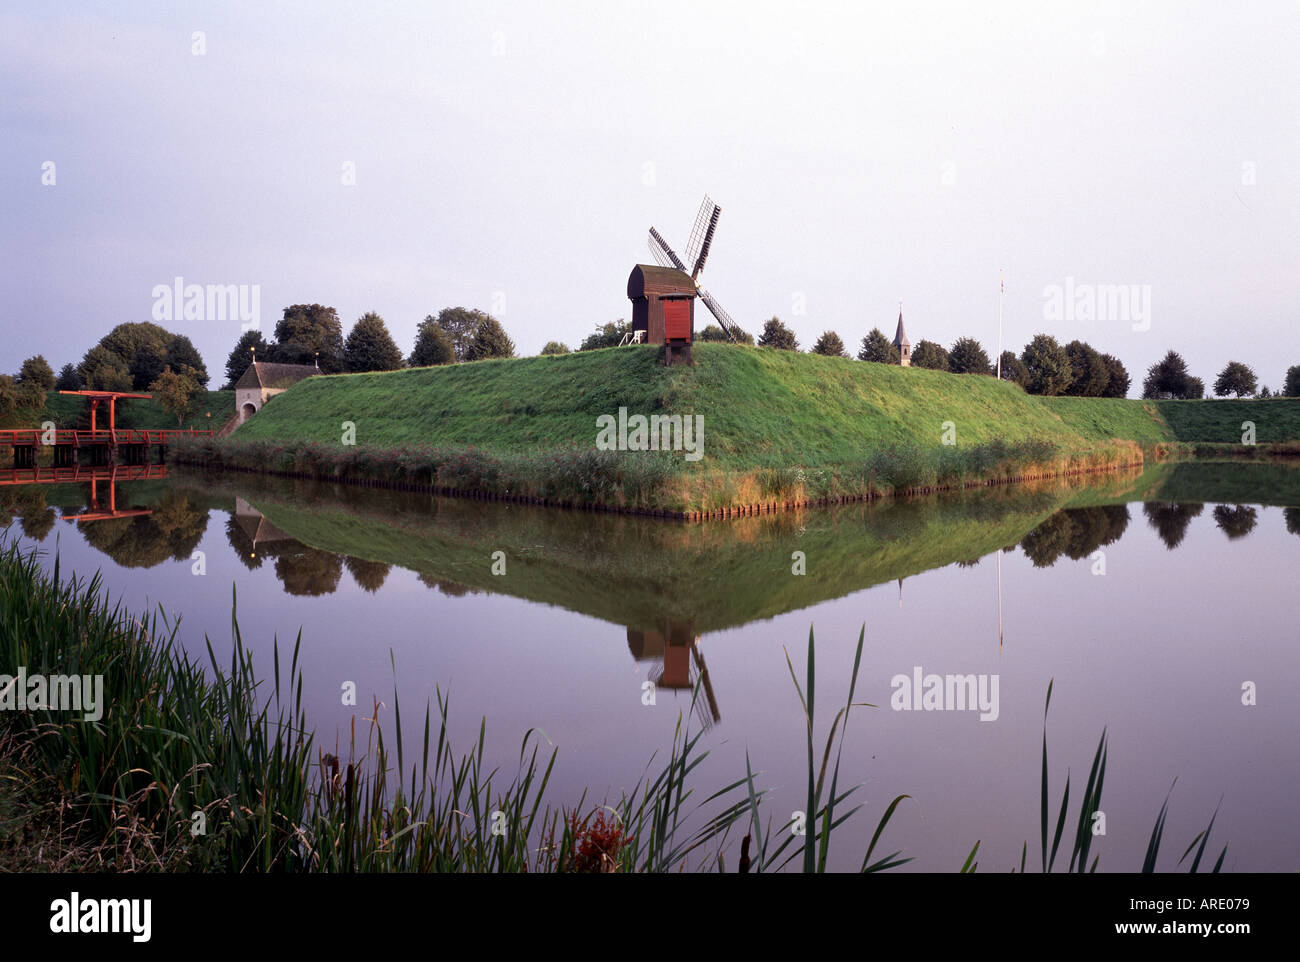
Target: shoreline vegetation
[193, 767]
[782, 431]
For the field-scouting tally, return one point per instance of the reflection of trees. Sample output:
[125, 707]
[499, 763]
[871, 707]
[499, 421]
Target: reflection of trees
[307, 571]
[1170, 519]
[173, 531]
[1236, 521]
[370, 575]
[1292, 516]
[37, 525]
[1075, 533]
[27, 503]
[453, 589]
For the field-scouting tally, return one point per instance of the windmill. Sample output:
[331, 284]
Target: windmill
[697, 252]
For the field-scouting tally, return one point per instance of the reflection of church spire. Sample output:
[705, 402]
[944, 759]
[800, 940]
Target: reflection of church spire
[900, 592]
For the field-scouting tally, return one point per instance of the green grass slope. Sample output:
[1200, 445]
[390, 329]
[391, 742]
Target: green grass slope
[760, 407]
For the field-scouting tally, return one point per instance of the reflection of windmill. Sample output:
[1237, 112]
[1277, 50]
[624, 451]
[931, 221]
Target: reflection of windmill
[697, 252]
[674, 649]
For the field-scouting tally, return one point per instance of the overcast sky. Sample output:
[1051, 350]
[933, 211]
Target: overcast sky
[511, 157]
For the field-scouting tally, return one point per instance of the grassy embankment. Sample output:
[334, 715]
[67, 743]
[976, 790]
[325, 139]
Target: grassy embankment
[780, 428]
[188, 768]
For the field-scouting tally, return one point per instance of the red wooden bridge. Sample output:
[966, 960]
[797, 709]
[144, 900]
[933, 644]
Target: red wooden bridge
[100, 508]
[132, 444]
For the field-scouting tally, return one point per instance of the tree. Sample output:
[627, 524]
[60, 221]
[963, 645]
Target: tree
[1089, 376]
[878, 349]
[930, 355]
[181, 352]
[715, 333]
[242, 355]
[489, 341]
[1235, 378]
[433, 345]
[967, 356]
[103, 370]
[37, 371]
[461, 324]
[147, 364]
[1167, 378]
[69, 379]
[1195, 389]
[1047, 366]
[177, 391]
[8, 395]
[1265, 393]
[1292, 386]
[141, 347]
[1013, 369]
[830, 345]
[370, 347]
[555, 347]
[1117, 379]
[607, 335]
[309, 334]
[777, 335]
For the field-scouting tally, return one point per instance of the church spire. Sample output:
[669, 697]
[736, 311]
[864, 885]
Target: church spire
[901, 342]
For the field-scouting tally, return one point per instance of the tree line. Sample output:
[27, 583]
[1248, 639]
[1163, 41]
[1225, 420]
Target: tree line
[313, 334]
[1044, 366]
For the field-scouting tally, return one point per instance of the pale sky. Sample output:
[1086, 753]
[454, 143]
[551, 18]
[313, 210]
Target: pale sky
[512, 156]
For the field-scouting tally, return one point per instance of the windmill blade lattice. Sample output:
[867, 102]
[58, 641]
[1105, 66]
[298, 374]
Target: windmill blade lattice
[730, 326]
[695, 240]
[660, 249]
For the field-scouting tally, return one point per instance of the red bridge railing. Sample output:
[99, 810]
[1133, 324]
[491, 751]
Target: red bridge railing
[19, 437]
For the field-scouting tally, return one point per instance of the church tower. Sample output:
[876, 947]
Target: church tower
[901, 342]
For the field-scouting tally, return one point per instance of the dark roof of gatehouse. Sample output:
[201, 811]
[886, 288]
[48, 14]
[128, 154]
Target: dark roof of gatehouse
[274, 376]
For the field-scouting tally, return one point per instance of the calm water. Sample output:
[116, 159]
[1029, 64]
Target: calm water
[1150, 598]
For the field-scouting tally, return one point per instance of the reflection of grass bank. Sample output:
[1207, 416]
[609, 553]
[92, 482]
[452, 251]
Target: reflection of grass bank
[638, 573]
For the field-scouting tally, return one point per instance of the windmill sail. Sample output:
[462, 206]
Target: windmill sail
[695, 240]
[660, 249]
[716, 309]
[697, 252]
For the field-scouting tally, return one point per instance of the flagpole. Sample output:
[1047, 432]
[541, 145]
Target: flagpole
[999, 599]
[1002, 288]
